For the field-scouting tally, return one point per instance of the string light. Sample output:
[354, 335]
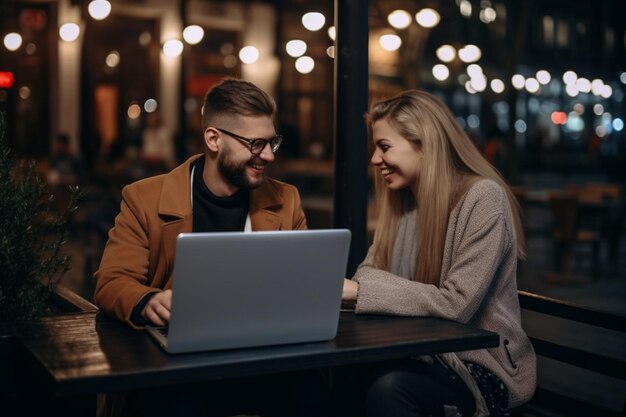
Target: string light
[69, 32]
[99, 9]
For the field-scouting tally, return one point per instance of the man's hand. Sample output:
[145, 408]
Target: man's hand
[157, 311]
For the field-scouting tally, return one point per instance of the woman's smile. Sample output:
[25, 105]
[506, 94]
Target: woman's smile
[387, 172]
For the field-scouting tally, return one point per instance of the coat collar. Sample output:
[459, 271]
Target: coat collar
[176, 191]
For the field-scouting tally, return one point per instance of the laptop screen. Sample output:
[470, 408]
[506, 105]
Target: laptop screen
[236, 289]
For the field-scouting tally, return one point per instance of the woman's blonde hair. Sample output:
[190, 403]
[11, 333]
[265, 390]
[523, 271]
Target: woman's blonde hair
[451, 163]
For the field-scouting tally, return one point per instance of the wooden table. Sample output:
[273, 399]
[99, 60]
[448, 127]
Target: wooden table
[85, 354]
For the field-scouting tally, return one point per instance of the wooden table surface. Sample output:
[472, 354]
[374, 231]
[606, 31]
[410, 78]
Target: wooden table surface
[79, 354]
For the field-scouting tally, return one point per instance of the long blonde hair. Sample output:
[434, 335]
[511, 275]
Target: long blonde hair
[450, 165]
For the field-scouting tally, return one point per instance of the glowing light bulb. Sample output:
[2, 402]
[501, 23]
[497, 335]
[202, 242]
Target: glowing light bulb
[313, 21]
[172, 48]
[390, 42]
[399, 19]
[305, 64]
[446, 53]
[99, 9]
[249, 54]
[296, 48]
[69, 32]
[13, 41]
[193, 34]
[427, 18]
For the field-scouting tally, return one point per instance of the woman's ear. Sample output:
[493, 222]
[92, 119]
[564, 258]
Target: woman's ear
[211, 139]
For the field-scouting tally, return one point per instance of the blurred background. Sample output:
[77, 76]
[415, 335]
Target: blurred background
[103, 93]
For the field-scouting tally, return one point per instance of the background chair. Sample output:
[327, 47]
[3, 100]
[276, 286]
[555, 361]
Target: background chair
[602, 208]
[567, 234]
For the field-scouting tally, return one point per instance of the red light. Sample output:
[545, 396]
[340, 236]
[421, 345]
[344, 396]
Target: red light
[558, 117]
[6, 79]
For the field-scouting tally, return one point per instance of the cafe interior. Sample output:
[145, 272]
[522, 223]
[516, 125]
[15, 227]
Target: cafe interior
[538, 86]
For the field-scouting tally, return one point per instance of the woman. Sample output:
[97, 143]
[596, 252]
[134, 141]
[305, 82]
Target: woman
[446, 245]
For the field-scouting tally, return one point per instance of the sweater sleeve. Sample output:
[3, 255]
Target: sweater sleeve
[474, 264]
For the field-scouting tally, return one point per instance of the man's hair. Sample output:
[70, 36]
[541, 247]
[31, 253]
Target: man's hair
[232, 98]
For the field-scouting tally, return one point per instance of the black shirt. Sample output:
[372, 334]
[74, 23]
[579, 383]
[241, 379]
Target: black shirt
[217, 214]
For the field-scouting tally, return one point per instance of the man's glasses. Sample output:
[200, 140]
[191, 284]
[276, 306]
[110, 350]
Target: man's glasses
[256, 145]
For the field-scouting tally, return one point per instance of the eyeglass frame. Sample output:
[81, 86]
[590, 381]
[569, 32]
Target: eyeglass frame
[252, 142]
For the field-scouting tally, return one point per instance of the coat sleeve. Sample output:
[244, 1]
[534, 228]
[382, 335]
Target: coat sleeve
[122, 276]
[475, 264]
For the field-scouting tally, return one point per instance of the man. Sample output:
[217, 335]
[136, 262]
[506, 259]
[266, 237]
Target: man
[224, 189]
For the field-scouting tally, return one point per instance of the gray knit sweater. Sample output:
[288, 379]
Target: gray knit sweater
[477, 284]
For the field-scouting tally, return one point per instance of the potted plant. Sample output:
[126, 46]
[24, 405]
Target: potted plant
[32, 263]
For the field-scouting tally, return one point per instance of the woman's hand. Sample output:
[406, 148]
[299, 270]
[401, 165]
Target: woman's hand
[350, 290]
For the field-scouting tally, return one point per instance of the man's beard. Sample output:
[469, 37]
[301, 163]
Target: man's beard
[236, 173]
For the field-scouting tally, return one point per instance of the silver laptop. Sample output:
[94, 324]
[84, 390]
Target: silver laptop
[236, 290]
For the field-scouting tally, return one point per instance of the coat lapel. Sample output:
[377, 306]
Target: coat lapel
[263, 202]
[175, 211]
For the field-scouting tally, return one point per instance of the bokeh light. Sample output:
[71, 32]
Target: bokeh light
[69, 32]
[390, 42]
[518, 81]
[305, 64]
[134, 111]
[99, 9]
[12, 41]
[446, 53]
[172, 48]
[470, 53]
[569, 77]
[543, 77]
[332, 33]
[193, 34]
[249, 54]
[583, 85]
[113, 59]
[532, 85]
[399, 19]
[465, 8]
[520, 126]
[295, 48]
[24, 92]
[497, 85]
[441, 72]
[558, 117]
[488, 15]
[313, 21]
[427, 18]
[150, 105]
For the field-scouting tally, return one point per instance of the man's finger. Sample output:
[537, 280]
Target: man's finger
[163, 312]
[153, 316]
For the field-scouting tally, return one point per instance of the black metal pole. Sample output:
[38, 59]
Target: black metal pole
[181, 138]
[350, 100]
